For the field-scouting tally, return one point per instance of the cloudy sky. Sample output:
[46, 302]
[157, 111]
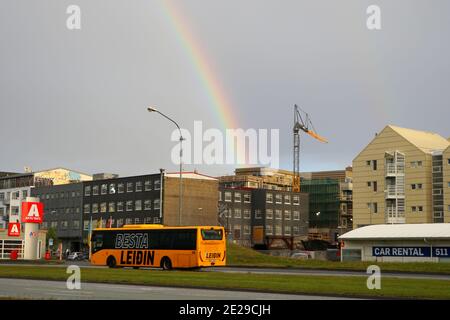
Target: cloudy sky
[77, 98]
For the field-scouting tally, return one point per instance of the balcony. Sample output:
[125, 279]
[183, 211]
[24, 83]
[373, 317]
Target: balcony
[394, 215]
[394, 192]
[394, 170]
[347, 186]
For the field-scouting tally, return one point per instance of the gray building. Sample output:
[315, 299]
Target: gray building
[259, 216]
[63, 212]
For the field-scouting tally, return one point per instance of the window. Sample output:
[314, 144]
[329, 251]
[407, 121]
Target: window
[95, 190]
[413, 186]
[86, 225]
[278, 198]
[138, 205]
[278, 214]
[157, 184]
[287, 215]
[246, 213]
[137, 220]
[156, 220]
[419, 186]
[147, 204]
[77, 210]
[368, 163]
[104, 189]
[119, 206]
[119, 223]
[246, 197]
[373, 207]
[448, 207]
[269, 214]
[287, 199]
[76, 224]
[372, 163]
[2, 196]
[296, 215]
[296, 231]
[95, 208]
[129, 205]
[237, 213]
[156, 204]
[257, 214]
[147, 185]
[414, 209]
[448, 161]
[420, 208]
[103, 207]
[120, 188]
[72, 194]
[269, 198]
[112, 188]
[296, 200]
[54, 224]
[237, 197]
[64, 224]
[278, 230]
[369, 183]
[139, 186]
[237, 232]
[437, 192]
[246, 230]
[220, 195]
[24, 194]
[416, 164]
[269, 229]
[128, 221]
[148, 220]
[87, 208]
[129, 186]
[112, 207]
[287, 230]
[227, 196]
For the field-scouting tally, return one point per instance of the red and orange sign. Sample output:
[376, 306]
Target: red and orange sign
[32, 212]
[14, 229]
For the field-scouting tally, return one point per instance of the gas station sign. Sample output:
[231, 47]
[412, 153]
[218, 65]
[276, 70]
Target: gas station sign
[32, 212]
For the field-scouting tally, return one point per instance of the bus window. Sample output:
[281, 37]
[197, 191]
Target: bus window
[211, 234]
[97, 241]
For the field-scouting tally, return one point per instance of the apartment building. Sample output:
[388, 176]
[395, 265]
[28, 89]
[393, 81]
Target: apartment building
[402, 176]
[15, 187]
[251, 216]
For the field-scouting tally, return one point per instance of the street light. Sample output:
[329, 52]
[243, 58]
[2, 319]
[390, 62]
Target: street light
[180, 203]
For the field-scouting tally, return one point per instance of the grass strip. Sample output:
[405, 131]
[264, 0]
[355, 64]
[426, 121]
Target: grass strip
[244, 257]
[317, 285]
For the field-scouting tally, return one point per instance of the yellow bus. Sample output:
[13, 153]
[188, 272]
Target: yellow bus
[151, 245]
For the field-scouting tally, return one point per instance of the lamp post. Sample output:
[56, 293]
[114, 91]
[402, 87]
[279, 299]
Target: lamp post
[180, 203]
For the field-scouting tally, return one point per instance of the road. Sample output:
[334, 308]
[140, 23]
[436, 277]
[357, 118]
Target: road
[280, 271]
[40, 289]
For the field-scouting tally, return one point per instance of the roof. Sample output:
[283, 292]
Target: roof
[424, 140]
[189, 175]
[400, 231]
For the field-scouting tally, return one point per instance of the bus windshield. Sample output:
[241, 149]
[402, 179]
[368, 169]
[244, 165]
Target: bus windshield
[211, 234]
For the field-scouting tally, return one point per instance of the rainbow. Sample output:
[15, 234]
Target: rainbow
[198, 58]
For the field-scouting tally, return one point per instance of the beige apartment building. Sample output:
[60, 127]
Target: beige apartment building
[402, 176]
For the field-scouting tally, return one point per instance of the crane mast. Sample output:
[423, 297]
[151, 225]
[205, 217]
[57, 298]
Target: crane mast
[304, 124]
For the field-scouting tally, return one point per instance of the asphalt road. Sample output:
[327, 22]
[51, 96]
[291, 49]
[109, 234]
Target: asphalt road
[40, 289]
[283, 271]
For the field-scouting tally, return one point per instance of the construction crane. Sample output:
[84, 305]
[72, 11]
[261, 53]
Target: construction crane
[301, 123]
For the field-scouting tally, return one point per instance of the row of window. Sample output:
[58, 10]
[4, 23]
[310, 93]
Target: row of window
[15, 195]
[414, 186]
[62, 210]
[279, 231]
[246, 197]
[62, 225]
[113, 188]
[373, 207]
[121, 206]
[413, 164]
[59, 195]
[117, 223]
[295, 215]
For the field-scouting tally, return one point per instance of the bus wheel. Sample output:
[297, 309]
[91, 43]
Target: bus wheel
[166, 264]
[111, 262]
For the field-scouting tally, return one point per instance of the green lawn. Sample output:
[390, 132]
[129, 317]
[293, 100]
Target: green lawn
[323, 285]
[244, 257]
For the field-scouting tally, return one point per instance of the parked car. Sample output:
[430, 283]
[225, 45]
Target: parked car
[75, 256]
[301, 255]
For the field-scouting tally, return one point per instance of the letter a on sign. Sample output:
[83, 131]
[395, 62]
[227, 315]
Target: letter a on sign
[14, 229]
[32, 212]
